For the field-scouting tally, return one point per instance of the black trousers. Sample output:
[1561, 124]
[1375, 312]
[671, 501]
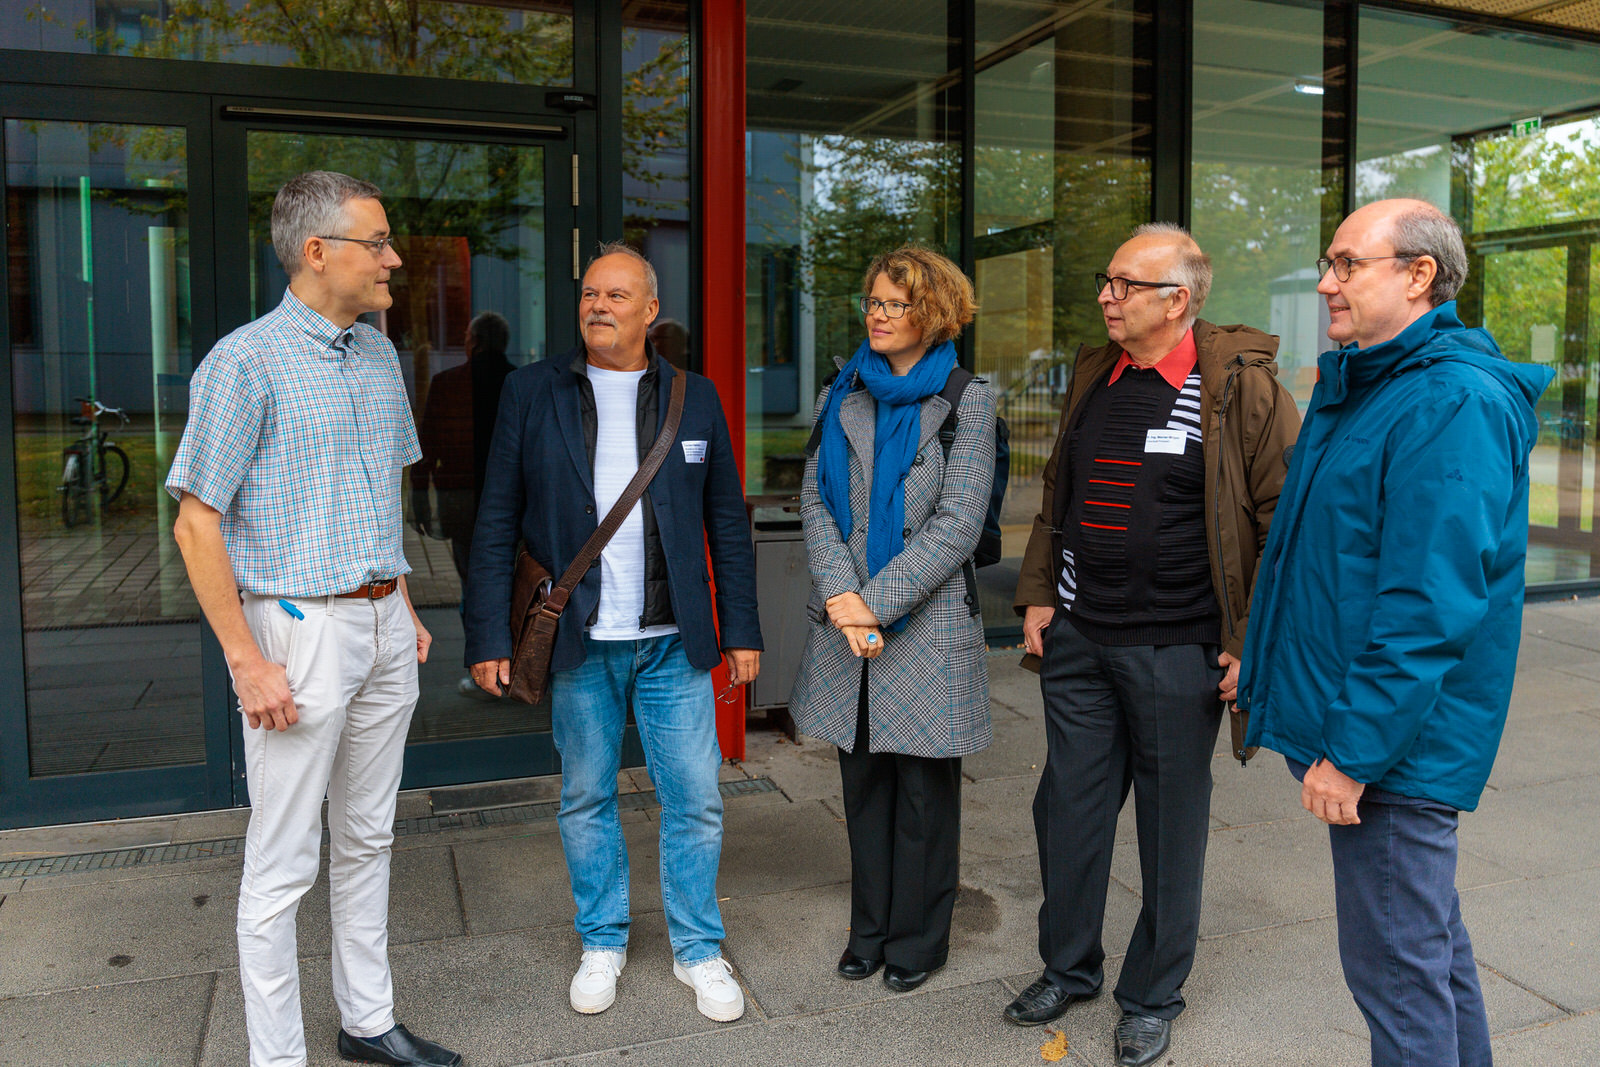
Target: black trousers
[903, 814]
[1140, 716]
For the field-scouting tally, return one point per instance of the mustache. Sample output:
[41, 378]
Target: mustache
[601, 319]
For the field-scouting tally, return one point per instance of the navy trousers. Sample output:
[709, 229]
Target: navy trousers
[1406, 955]
[1116, 717]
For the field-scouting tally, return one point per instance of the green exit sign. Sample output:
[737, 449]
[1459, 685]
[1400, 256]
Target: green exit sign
[1525, 127]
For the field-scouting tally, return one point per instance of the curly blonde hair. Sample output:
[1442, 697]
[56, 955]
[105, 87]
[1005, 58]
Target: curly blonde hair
[942, 297]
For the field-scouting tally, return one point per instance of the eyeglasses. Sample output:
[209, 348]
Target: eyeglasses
[892, 308]
[379, 246]
[1120, 286]
[1341, 264]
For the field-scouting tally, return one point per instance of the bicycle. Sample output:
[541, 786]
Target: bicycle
[91, 464]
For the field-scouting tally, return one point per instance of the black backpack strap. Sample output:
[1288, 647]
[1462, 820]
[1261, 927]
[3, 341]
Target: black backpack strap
[815, 440]
[954, 387]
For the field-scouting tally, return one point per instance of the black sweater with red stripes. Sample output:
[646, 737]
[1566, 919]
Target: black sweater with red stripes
[1135, 568]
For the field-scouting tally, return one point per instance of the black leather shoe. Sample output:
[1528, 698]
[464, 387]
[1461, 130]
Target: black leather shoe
[903, 980]
[855, 968]
[1141, 1039]
[1043, 1001]
[398, 1047]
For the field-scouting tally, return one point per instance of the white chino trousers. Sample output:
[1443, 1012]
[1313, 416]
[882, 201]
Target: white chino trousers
[352, 668]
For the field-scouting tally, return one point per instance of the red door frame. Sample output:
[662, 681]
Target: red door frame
[721, 206]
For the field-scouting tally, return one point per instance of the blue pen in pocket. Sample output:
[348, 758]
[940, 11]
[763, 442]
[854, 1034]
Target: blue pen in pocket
[292, 610]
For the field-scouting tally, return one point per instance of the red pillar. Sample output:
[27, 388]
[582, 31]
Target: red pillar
[721, 207]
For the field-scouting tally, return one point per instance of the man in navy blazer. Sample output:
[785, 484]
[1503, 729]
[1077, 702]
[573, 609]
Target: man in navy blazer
[638, 629]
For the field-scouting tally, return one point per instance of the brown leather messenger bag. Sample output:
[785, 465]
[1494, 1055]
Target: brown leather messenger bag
[536, 605]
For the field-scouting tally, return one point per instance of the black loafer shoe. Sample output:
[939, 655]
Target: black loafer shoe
[1041, 1002]
[397, 1047]
[1141, 1039]
[856, 968]
[903, 980]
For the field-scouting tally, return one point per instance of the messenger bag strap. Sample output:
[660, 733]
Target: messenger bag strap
[556, 602]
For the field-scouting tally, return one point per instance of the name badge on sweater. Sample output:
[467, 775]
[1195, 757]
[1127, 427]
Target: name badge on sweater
[695, 451]
[1165, 441]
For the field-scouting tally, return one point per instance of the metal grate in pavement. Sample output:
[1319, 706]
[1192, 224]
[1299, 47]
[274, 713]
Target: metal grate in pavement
[234, 846]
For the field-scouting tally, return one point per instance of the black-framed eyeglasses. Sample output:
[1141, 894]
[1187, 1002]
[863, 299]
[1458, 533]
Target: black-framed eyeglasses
[893, 308]
[378, 246]
[1120, 286]
[1340, 265]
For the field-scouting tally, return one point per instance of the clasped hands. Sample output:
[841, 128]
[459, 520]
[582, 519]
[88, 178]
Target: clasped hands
[851, 616]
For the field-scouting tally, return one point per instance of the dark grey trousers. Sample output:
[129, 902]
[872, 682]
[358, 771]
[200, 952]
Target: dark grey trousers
[1141, 716]
[903, 815]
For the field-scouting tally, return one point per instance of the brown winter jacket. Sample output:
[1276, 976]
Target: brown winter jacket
[1250, 423]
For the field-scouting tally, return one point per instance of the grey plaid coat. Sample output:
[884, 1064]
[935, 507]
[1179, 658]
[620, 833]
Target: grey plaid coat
[928, 690]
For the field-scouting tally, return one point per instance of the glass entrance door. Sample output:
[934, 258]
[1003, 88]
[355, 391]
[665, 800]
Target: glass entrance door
[103, 699]
[1537, 291]
[484, 229]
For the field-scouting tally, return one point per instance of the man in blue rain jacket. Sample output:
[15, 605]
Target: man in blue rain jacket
[1388, 611]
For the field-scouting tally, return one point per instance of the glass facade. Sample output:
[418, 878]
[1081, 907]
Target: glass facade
[527, 42]
[1062, 156]
[1266, 183]
[1023, 138]
[853, 147]
[98, 241]
[656, 193]
[1502, 129]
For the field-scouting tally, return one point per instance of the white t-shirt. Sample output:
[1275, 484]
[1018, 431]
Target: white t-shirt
[616, 459]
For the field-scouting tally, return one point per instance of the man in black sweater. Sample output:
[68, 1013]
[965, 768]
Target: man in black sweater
[1135, 593]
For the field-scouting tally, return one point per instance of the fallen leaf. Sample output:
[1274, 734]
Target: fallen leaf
[1055, 1049]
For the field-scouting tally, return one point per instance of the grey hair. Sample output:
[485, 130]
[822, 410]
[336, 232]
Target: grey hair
[622, 248]
[312, 205]
[1426, 231]
[491, 331]
[1193, 267]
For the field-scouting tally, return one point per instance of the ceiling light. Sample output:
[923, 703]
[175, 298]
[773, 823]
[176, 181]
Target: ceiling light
[1310, 88]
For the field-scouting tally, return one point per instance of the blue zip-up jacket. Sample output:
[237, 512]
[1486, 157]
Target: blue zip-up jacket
[1388, 606]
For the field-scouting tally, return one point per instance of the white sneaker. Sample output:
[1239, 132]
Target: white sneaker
[594, 987]
[716, 994]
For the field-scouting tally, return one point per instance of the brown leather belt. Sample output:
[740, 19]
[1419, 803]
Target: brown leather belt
[373, 591]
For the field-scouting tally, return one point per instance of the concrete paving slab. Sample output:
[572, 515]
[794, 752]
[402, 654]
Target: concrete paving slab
[1262, 792]
[211, 825]
[786, 946]
[84, 837]
[777, 848]
[498, 1000]
[942, 1028]
[997, 818]
[1546, 748]
[1552, 690]
[520, 882]
[149, 1024]
[1013, 689]
[808, 770]
[183, 921]
[1562, 1042]
[1542, 934]
[1537, 651]
[117, 931]
[1538, 829]
[1018, 750]
[1581, 668]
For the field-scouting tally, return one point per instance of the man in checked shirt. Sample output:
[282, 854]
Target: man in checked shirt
[289, 519]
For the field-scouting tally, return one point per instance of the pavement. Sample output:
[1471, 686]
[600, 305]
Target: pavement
[133, 964]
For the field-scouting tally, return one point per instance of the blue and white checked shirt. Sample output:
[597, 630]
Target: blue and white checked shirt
[297, 434]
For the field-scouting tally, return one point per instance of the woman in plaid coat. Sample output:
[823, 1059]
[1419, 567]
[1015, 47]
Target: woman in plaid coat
[895, 669]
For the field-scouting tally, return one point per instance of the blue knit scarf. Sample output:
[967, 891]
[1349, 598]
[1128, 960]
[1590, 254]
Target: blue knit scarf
[898, 431]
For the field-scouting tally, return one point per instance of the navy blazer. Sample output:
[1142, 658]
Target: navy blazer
[539, 488]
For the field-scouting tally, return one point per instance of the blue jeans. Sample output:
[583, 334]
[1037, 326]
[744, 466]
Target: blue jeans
[1406, 955]
[674, 708]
